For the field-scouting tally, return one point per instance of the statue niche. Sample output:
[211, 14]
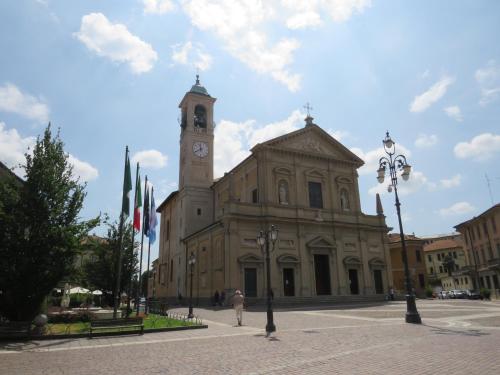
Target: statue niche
[283, 192]
[200, 117]
[344, 200]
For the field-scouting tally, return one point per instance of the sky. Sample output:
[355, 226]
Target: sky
[111, 73]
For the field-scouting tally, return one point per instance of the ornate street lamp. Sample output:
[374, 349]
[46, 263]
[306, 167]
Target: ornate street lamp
[191, 262]
[395, 164]
[263, 240]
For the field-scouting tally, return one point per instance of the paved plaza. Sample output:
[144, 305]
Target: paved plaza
[456, 337]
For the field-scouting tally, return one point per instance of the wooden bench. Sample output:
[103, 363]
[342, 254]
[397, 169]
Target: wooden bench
[122, 324]
[15, 330]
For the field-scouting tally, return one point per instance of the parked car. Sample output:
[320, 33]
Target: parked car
[443, 294]
[473, 294]
[456, 293]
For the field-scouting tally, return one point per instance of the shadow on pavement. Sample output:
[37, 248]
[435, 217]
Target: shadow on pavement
[446, 331]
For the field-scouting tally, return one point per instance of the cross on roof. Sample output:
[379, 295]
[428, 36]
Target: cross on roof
[308, 109]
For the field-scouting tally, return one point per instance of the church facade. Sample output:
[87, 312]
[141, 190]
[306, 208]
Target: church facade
[305, 183]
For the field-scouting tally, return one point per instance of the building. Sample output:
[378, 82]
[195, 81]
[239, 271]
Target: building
[416, 263]
[304, 182]
[482, 243]
[439, 276]
[438, 237]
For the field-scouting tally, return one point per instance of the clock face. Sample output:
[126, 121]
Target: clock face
[200, 149]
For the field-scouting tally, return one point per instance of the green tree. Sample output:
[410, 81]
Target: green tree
[100, 271]
[41, 231]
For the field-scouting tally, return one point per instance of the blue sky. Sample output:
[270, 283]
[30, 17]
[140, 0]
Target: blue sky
[112, 73]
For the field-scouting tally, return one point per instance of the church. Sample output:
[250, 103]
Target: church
[305, 183]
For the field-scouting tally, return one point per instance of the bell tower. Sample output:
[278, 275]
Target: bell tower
[197, 138]
[196, 159]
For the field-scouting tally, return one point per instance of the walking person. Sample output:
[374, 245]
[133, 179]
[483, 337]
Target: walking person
[237, 301]
[391, 293]
[216, 298]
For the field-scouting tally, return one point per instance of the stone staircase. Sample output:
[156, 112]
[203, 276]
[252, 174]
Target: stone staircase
[317, 300]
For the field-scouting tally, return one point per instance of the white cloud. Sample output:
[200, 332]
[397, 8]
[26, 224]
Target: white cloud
[115, 42]
[150, 159]
[15, 101]
[158, 6]
[488, 79]
[13, 147]
[481, 147]
[424, 140]
[425, 74]
[416, 182]
[82, 169]
[234, 140]
[454, 181]
[454, 112]
[459, 208]
[186, 54]
[432, 95]
[242, 27]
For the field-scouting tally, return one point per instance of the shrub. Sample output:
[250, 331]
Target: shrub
[429, 293]
[486, 293]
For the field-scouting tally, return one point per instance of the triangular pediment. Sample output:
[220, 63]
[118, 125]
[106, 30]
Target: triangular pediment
[320, 242]
[315, 141]
[250, 258]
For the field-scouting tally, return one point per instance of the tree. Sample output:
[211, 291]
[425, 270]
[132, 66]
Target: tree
[449, 266]
[100, 271]
[41, 231]
[144, 282]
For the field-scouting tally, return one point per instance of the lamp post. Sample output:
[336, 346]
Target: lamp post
[263, 240]
[191, 262]
[395, 164]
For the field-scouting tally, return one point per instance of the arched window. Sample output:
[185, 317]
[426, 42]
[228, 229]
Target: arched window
[200, 116]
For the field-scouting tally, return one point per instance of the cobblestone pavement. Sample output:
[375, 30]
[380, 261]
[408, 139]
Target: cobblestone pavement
[459, 337]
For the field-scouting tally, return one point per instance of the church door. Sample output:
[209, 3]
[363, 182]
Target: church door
[288, 282]
[353, 281]
[250, 282]
[379, 284]
[322, 273]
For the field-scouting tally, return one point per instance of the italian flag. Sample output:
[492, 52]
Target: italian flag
[137, 201]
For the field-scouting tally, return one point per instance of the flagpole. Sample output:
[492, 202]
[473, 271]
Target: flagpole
[151, 233]
[139, 284]
[147, 279]
[133, 243]
[120, 245]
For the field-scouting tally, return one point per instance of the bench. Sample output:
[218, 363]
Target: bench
[122, 324]
[15, 330]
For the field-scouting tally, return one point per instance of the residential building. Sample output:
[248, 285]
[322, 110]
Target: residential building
[304, 182]
[438, 274]
[482, 243]
[416, 263]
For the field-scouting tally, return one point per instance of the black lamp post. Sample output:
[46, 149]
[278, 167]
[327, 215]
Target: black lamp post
[263, 240]
[395, 164]
[191, 262]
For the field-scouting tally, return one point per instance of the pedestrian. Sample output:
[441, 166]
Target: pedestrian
[237, 302]
[222, 298]
[216, 298]
[391, 293]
